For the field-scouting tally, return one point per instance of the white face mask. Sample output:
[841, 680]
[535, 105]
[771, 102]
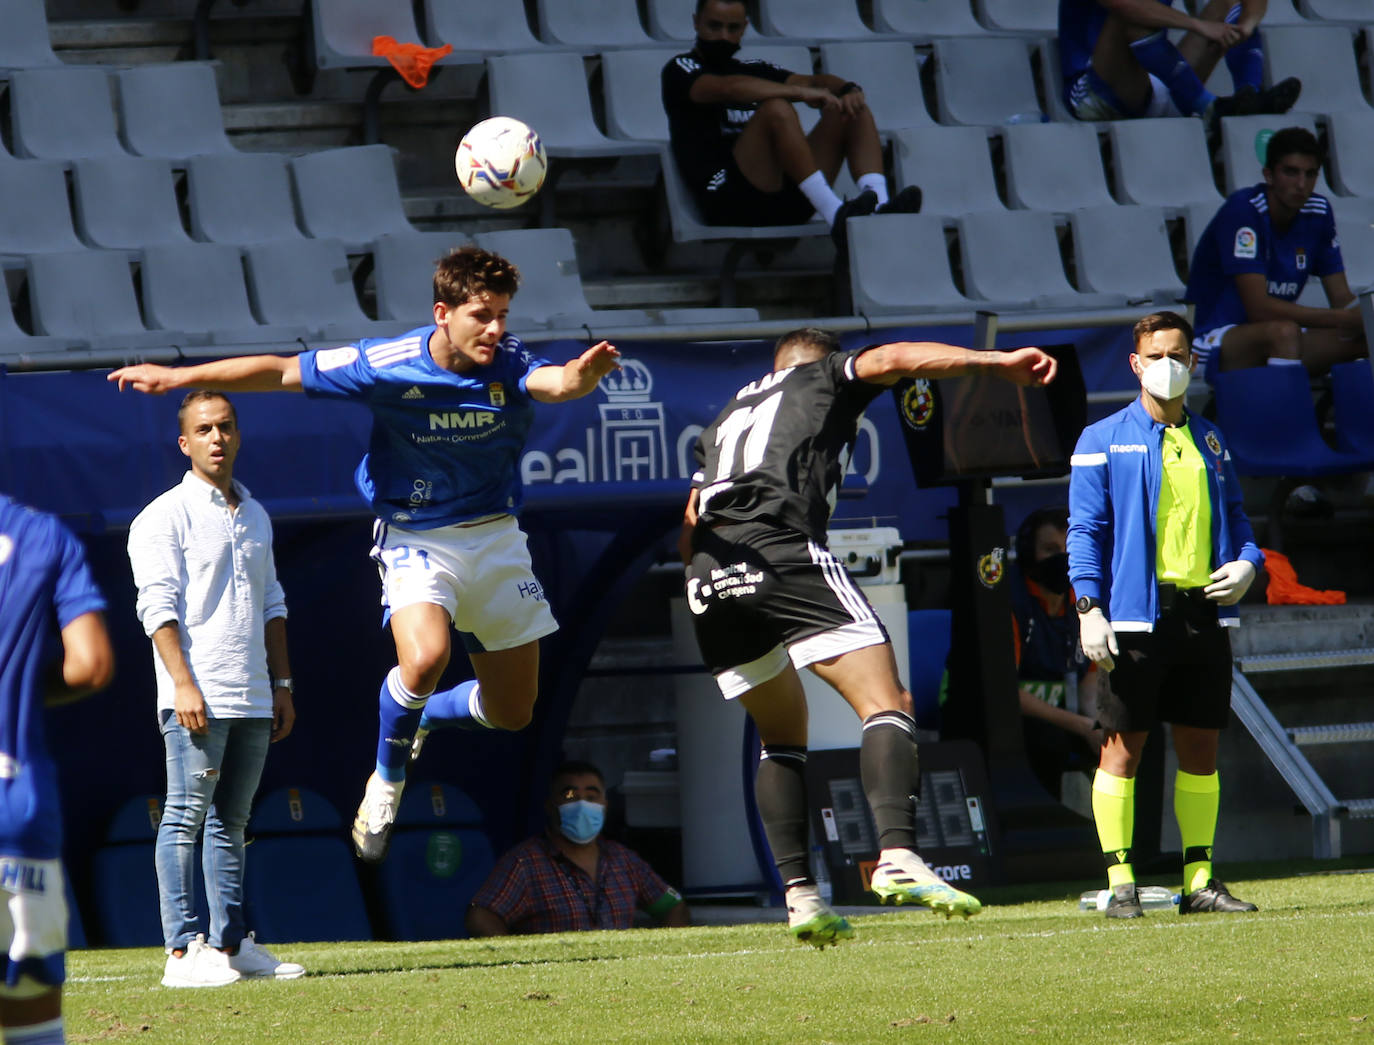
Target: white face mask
[1165, 378]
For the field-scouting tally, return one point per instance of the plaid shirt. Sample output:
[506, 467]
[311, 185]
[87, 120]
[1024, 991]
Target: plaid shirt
[534, 888]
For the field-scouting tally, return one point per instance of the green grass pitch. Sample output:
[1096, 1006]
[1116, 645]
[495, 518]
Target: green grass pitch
[1029, 968]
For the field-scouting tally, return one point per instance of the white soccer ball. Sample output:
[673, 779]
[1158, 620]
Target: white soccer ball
[501, 162]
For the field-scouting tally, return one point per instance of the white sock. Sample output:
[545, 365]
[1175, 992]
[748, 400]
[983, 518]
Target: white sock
[476, 710]
[1283, 361]
[821, 196]
[876, 182]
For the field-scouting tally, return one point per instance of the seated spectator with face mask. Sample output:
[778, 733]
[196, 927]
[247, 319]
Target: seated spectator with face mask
[569, 877]
[1059, 737]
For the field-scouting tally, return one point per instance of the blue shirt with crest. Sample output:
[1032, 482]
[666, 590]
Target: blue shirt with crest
[445, 447]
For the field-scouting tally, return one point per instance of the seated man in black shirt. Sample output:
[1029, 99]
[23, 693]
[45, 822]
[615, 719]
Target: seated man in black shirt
[740, 146]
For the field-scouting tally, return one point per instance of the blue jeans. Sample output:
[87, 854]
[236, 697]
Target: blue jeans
[211, 780]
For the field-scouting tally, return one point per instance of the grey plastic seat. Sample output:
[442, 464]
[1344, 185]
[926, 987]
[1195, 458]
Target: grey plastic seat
[952, 165]
[1283, 12]
[25, 43]
[1125, 250]
[1054, 167]
[671, 20]
[172, 111]
[308, 283]
[1242, 138]
[1019, 16]
[1162, 163]
[241, 198]
[928, 19]
[1352, 151]
[688, 226]
[127, 202]
[549, 92]
[63, 113]
[1014, 256]
[1353, 12]
[35, 215]
[900, 263]
[1354, 218]
[591, 24]
[891, 77]
[1196, 218]
[199, 288]
[481, 28]
[20, 350]
[632, 86]
[1323, 57]
[343, 31]
[813, 20]
[403, 269]
[350, 194]
[984, 81]
[89, 295]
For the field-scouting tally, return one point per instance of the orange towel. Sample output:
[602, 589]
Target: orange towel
[412, 61]
[1284, 589]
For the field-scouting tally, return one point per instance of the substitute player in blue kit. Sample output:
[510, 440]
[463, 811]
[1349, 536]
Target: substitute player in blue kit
[53, 648]
[452, 404]
[1254, 259]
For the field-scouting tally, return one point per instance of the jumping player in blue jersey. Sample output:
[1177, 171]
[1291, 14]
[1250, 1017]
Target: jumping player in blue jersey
[452, 404]
[1253, 260]
[53, 648]
[1117, 61]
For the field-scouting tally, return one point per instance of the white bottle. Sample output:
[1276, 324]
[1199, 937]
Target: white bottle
[1152, 898]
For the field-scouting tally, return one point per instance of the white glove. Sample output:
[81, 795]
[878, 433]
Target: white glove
[1098, 639]
[1230, 582]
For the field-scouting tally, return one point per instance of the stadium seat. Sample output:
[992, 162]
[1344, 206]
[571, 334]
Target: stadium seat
[126, 202]
[124, 878]
[1283, 12]
[1353, 12]
[172, 111]
[481, 28]
[403, 268]
[35, 215]
[1125, 250]
[1352, 400]
[952, 165]
[594, 25]
[350, 194]
[672, 20]
[1014, 256]
[631, 82]
[926, 20]
[968, 93]
[298, 877]
[813, 20]
[25, 43]
[1242, 146]
[1162, 163]
[308, 283]
[928, 641]
[1046, 67]
[1352, 151]
[1323, 57]
[22, 351]
[1353, 218]
[199, 288]
[1196, 217]
[1054, 167]
[89, 295]
[63, 113]
[899, 263]
[439, 857]
[241, 198]
[1040, 17]
[891, 77]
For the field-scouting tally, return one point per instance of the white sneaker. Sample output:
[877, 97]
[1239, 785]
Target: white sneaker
[376, 816]
[255, 960]
[903, 877]
[201, 966]
[810, 919]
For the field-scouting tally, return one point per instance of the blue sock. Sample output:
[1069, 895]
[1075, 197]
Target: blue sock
[48, 1033]
[456, 708]
[399, 711]
[1246, 59]
[1158, 56]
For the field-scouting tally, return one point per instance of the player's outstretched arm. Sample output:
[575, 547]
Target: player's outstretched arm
[575, 378]
[888, 364]
[243, 374]
[87, 660]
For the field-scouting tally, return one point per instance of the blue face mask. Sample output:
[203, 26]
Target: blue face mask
[581, 821]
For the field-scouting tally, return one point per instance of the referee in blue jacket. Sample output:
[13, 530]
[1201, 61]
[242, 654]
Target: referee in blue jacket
[1160, 552]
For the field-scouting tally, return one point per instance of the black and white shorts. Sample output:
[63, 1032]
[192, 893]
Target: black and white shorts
[762, 596]
[729, 198]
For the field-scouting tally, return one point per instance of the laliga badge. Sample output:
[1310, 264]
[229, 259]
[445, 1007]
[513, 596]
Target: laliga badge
[496, 392]
[990, 567]
[1245, 242]
[1213, 443]
[918, 404]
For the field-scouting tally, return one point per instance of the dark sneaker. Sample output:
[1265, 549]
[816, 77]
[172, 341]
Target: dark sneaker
[1281, 97]
[865, 202]
[908, 201]
[375, 818]
[1214, 896]
[1124, 902]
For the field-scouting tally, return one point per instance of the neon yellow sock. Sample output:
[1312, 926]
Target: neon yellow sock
[1195, 805]
[1114, 813]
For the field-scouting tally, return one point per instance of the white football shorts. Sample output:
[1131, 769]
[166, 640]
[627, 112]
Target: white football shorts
[479, 572]
[33, 926]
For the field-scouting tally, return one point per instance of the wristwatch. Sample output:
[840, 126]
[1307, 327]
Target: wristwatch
[1086, 603]
[286, 684]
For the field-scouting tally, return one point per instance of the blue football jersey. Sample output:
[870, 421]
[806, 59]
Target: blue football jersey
[1080, 24]
[1241, 238]
[445, 447]
[45, 584]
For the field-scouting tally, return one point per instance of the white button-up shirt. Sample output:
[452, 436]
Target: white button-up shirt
[210, 569]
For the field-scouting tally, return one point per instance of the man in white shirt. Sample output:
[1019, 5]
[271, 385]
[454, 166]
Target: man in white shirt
[209, 599]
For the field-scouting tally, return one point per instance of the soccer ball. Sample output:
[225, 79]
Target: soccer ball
[501, 162]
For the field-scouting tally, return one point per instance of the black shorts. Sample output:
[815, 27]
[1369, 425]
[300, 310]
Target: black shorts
[727, 197]
[761, 596]
[1179, 673]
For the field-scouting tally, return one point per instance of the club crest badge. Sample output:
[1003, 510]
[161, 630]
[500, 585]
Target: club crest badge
[1213, 443]
[496, 392]
[991, 567]
[918, 404]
